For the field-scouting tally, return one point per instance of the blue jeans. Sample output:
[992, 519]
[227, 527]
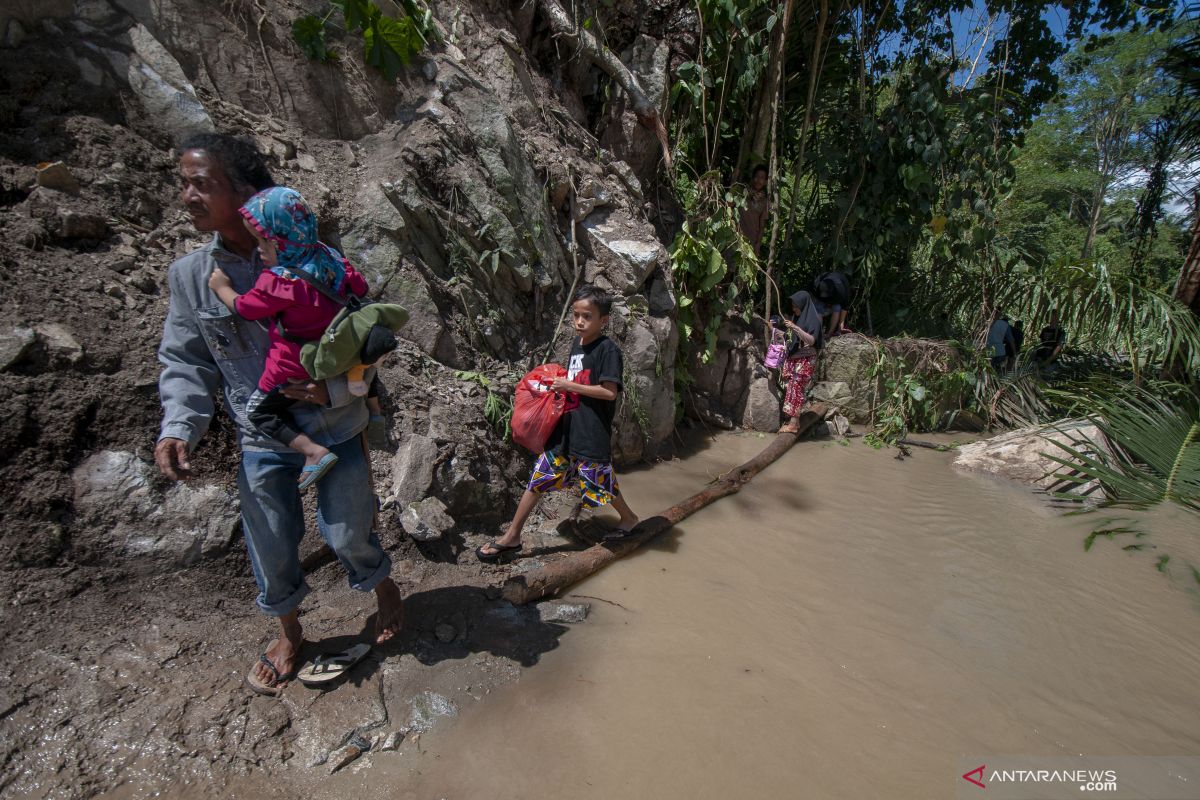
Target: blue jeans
[273, 522]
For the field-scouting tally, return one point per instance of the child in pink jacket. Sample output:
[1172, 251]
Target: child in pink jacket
[286, 230]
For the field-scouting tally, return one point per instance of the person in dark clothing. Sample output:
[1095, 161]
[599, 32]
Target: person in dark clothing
[580, 447]
[1051, 341]
[805, 339]
[1018, 341]
[832, 291]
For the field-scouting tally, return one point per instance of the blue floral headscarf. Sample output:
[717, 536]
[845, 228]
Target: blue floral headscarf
[281, 215]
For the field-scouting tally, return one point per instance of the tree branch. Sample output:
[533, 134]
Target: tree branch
[562, 24]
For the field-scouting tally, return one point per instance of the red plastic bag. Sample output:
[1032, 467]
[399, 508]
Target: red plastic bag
[536, 409]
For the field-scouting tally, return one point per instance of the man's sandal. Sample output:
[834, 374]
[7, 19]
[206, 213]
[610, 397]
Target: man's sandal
[500, 551]
[326, 668]
[272, 689]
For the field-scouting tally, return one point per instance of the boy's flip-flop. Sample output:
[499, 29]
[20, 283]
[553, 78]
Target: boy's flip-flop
[272, 689]
[314, 472]
[327, 668]
[500, 549]
[619, 534]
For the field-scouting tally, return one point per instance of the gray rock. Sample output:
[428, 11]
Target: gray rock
[426, 520]
[344, 756]
[563, 612]
[306, 162]
[762, 407]
[646, 414]
[850, 360]
[838, 425]
[146, 527]
[834, 394]
[144, 281]
[82, 225]
[628, 249]
[120, 264]
[14, 346]
[58, 342]
[1022, 454]
[57, 175]
[392, 740]
[445, 632]
[661, 293]
[166, 95]
[412, 468]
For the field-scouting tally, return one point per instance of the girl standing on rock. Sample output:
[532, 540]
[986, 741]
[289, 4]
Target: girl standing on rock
[805, 339]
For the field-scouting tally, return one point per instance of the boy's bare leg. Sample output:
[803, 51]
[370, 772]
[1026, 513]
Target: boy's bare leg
[628, 519]
[512, 536]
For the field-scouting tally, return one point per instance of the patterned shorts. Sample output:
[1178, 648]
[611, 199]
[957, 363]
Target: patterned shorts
[597, 483]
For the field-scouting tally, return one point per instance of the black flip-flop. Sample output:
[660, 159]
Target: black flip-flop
[501, 549]
[272, 689]
[326, 668]
[619, 534]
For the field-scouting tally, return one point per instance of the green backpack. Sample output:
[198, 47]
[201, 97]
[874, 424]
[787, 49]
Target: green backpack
[340, 346]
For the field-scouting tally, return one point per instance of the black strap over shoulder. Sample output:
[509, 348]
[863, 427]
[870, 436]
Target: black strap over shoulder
[353, 302]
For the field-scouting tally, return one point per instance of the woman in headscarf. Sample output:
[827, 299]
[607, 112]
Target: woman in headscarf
[805, 339]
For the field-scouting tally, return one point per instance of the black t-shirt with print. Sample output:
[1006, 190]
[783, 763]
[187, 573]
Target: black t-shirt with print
[586, 431]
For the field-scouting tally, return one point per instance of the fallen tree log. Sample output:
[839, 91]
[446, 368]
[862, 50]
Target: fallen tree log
[554, 576]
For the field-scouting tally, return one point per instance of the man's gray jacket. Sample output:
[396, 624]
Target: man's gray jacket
[204, 344]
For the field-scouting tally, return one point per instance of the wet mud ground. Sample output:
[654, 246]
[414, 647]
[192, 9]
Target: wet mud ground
[134, 685]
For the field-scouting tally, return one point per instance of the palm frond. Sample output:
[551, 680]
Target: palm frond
[1101, 313]
[1153, 453]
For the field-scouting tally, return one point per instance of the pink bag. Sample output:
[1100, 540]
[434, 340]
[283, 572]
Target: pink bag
[776, 352]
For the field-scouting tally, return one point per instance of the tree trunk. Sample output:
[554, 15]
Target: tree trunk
[1187, 288]
[774, 78]
[814, 72]
[557, 575]
[562, 24]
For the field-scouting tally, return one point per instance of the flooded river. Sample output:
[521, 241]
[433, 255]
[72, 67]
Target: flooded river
[847, 626]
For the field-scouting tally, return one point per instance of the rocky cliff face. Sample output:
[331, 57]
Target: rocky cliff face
[476, 190]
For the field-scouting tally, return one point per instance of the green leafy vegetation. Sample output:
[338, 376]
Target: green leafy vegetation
[1153, 448]
[389, 42]
[496, 409]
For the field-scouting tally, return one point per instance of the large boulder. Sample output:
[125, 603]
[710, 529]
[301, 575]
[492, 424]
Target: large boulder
[625, 250]
[1023, 454]
[646, 413]
[144, 527]
[763, 406]
[844, 377]
[412, 468]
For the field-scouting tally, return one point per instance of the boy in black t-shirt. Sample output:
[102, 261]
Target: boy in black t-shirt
[580, 446]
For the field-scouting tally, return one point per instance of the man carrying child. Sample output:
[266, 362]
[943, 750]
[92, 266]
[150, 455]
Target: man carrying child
[205, 347]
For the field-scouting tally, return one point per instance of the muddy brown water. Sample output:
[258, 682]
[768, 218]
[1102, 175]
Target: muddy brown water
[847, 626]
